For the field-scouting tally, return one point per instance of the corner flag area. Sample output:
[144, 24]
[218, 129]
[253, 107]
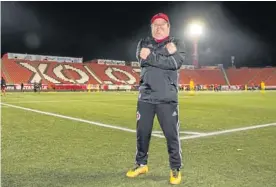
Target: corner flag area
[88, 139]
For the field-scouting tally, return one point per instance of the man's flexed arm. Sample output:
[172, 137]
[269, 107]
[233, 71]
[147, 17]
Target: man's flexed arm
[142, 52]
[172, 59]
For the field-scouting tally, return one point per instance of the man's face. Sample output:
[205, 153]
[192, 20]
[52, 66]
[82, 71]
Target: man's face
[160, 29]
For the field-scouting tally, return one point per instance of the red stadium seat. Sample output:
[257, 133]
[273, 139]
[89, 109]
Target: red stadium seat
[17, 71]
[199, 76]
[250, 76]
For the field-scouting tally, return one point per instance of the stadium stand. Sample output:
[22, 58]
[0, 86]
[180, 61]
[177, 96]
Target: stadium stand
[242, 75]
[186, 75]
[99, 72]
[248, 76]
[213, 76]
[13, 72]
[263, 75]
[271, 79]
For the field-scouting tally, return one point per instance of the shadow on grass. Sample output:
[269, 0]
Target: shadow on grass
[73, 178]
[54, 178]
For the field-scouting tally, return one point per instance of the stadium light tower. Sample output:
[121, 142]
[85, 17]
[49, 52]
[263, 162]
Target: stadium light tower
[195, 31]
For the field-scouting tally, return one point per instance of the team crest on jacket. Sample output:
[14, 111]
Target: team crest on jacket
[138, 115]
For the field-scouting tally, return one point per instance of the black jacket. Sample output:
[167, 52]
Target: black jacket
[3, 83]
[159, 72]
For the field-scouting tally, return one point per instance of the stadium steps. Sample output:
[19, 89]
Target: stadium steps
[133, 73]
[17, 72]
[92, 74]
[117, 76]
[210, 76]
[254, 77]
[241, 76]
[186, 75]
[67, 73]
[78, 72]
[262, 75]
[36, 64]
[5, 73]
[253, 72]
[50, 73]
[101, 72]
[271, 80]
[225, 75]
[58, 70]
[43, 80]
[125, 75]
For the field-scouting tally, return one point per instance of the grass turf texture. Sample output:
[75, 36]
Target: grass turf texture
[40, 150]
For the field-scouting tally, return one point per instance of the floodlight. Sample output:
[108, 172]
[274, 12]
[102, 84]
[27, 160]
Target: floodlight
[195, 29]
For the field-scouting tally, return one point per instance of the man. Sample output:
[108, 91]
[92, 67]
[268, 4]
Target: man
[22, 87]
[160, 58]
[40, 86]
[36, 86]
[3, 86]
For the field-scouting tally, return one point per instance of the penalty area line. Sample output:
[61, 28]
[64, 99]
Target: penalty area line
[215, 133]
[50, 101]
[76, 119]
[200, 135]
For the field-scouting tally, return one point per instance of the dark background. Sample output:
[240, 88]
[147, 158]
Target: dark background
[111, 30]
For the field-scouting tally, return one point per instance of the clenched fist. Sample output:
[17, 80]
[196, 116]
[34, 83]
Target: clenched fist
[171, 48]
[144, 53]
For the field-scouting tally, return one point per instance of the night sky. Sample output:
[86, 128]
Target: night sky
[111, 30]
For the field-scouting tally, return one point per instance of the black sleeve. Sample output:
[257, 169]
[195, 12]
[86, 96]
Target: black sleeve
[138, 50]
[164, 60]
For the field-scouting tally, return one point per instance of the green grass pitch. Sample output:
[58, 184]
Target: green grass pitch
[40, 149]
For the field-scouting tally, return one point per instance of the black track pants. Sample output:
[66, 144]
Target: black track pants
[167, 115]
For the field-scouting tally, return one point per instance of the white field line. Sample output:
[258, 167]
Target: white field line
[134, 131]
[60, 101]
[4, 107]
[228, 131]
[77, 119]
[49, 101]
[157, 132]
[193, 133]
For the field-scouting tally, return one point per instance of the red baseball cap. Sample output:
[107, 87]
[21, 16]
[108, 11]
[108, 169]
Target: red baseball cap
[160, 15]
